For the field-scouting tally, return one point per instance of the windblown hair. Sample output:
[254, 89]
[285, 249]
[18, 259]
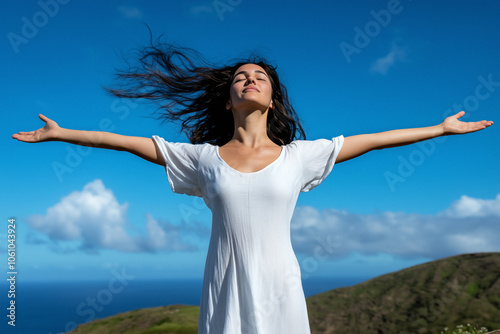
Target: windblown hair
[189, 89]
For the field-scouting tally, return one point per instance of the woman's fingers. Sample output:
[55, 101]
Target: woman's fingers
[43, 118]
[22, 137]
[38, 135]
[453, 125]
[476, 126]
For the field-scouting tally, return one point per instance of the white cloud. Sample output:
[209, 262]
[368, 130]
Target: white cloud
[130, 12]
[469, 225]
[94, 217]
[167, 235]
[382, 65]
[473, 207]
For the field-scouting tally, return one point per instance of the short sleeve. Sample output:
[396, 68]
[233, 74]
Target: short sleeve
[181, 166]
[317, 157]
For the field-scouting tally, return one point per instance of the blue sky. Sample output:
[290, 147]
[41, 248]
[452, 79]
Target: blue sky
[351, 67]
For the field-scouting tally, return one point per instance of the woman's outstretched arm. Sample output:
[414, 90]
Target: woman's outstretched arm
[140, 146]
[355, 146]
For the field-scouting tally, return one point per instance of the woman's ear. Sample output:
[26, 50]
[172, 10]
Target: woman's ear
[228, 104]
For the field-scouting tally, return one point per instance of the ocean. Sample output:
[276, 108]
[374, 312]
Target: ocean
[57, 307]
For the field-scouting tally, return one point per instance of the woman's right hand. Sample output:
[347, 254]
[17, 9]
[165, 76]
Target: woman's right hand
[48, 132]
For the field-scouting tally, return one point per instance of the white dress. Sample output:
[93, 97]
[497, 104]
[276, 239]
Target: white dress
[252, 281]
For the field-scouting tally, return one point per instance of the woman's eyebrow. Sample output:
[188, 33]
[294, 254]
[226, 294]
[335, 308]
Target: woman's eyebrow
[240, 72]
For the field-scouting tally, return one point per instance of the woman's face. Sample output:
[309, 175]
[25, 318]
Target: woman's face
[250, 89]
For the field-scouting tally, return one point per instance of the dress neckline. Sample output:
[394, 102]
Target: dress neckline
[249, 173]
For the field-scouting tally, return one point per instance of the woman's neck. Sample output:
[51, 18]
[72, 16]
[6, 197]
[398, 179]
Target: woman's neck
[250, 130]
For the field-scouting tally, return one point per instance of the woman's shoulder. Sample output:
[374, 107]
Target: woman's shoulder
[313, 147]
[185, 147]
[307, 142]
[182, 143]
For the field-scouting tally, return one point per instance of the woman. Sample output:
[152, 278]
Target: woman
[246, 163]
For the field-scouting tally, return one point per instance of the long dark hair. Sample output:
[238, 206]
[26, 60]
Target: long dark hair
[189, 89]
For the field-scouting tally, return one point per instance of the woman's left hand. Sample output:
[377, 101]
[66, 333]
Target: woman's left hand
[452, 126]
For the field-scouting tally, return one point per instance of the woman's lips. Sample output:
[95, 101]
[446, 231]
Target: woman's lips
[250, 89]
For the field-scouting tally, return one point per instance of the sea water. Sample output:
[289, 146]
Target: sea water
[57, 307]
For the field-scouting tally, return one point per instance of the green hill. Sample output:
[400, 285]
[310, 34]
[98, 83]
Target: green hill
[421, 299]
[178, 319]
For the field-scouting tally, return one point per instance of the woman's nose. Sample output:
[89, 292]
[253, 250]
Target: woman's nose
[250, 79]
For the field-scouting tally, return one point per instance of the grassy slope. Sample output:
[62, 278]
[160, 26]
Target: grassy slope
[421, 299]
[178, 319]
